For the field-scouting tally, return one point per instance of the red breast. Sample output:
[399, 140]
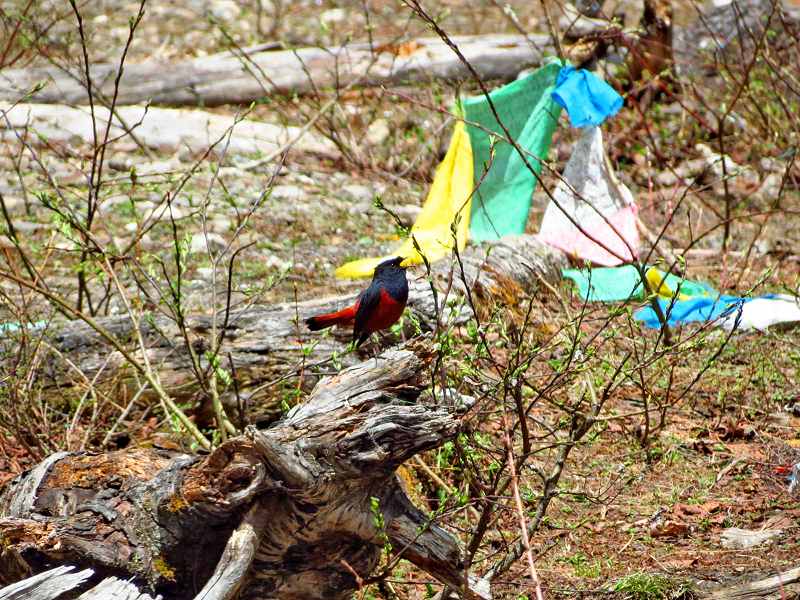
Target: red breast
[385, 314]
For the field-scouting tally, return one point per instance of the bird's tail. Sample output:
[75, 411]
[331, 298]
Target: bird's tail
[342, 317]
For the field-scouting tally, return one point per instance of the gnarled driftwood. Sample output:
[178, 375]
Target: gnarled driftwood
[62, 582]
[294, 511]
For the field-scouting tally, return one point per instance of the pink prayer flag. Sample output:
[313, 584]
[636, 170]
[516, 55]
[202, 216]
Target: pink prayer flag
[591, 196]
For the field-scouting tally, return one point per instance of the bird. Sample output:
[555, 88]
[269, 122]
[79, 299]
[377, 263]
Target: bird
[378, 307]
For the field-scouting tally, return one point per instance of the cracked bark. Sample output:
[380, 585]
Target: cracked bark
[283, 512]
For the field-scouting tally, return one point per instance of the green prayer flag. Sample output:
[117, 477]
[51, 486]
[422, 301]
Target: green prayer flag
[501, 203]
[618, 284]
[607, 284]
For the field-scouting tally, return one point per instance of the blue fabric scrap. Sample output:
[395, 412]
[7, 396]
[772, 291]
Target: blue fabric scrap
[701, 309]
[588, 99]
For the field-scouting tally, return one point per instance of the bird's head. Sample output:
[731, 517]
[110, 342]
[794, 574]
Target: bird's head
[390, 266]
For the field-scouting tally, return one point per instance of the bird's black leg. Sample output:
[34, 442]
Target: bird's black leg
[376, 351]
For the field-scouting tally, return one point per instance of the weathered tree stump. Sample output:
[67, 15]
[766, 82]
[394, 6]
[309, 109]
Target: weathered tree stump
[285, 512]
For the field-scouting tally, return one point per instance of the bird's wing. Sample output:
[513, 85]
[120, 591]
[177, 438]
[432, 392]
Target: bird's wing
[367, 305]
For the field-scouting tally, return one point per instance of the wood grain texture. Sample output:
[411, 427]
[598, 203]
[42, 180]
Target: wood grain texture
[284, 512]
[46, 586]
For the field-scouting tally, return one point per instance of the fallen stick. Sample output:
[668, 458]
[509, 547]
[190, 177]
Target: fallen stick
[769, 587]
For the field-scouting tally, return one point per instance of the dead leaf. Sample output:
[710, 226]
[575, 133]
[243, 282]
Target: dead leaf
[746, 450]
[681, 564]
[668, 528]
[739, 430]
[779, 521]
[699, 510]
[402, 50]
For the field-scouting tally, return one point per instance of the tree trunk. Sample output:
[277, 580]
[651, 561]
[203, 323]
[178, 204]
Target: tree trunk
[653, 50]
[225, 78]
[300, 510]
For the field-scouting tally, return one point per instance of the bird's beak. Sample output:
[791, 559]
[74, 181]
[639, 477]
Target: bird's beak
[404, 263]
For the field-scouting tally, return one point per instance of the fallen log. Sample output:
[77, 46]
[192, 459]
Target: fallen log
[264, 343]
[782, 586]
[225, 78]
[300, 510]
[163, 129]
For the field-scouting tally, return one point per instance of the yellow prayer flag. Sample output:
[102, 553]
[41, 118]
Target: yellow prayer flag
[448, 199]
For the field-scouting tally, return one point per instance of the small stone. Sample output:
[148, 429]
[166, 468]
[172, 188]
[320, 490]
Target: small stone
[666, 178]
[14, 203]
[714, 161]
[157, 211]
[232, 172]
[288, 193]
[157, 167]
[119, 33]
[274, 262]
[198, 243]
[763, 247]
[770, 188]
[360, 193]
[378, 132]
[121, 162]
[64, 244]
[772, 165]
[225, 10]
[407, 212]
[220, 225]
[305, 179]
[361, 209]
[333, 15]
[28, 227]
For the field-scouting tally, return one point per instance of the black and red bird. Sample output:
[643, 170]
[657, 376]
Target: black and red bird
[377, 307]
